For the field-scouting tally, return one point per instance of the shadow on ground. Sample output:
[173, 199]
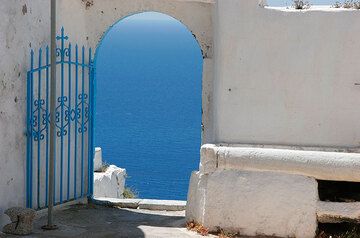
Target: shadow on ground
[98, 221]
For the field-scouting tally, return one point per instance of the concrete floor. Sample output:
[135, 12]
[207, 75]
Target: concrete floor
[98, 221]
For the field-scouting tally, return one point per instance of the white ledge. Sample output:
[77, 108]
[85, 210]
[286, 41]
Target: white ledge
[318, 8]
[317, 164]
[147, 204]
[333, 212]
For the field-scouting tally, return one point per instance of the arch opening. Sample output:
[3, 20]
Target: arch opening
[148, 103]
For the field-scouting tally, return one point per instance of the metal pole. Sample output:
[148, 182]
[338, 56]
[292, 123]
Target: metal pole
[50, 225]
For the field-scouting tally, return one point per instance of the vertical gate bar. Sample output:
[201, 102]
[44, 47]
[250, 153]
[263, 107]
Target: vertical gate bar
[62, 116]
[54, 153]
[76, 116]
[90, 155]
[69, 126]
[39, 131]
[28, 123]
[82, 118]
[47, 128]
[92, 112]
[31, 129]
[93, 98]
[92, 149]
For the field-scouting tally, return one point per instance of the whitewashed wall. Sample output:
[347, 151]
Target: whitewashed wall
[23, 25]
[281, 77]
[286, 77]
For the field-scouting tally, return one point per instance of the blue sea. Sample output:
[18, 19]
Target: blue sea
[148, 103]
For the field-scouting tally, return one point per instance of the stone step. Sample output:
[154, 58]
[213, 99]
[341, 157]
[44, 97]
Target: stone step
[147, 204]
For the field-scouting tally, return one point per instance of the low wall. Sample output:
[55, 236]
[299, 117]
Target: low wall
[109, 181]
[24, 25]
[263, 191]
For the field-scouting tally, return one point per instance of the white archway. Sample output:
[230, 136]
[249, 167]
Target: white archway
[95, 17]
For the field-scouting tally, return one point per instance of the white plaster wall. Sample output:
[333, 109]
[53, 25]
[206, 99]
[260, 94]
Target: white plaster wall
[281, 77]
[23, 24]
[286, 77]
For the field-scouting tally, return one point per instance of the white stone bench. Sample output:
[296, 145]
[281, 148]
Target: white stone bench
[317, 164]
[268, 191]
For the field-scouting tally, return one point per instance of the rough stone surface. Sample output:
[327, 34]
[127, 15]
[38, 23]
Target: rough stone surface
[98, 160]
[254, 203]
[21, 221]
[123, 203]
[111, 183]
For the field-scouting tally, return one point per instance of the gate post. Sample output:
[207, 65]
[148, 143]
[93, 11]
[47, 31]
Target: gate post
[50, 225]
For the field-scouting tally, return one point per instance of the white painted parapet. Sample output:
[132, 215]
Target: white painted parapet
[110, 183]
[265, 191]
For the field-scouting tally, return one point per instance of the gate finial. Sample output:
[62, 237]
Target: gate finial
[62, 37]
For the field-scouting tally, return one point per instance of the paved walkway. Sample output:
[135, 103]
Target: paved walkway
[98, 221]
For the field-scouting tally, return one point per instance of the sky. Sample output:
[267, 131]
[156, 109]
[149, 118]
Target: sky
[283, 3]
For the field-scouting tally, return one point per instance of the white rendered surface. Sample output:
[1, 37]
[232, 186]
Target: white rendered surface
[110, 183]
[98, 163]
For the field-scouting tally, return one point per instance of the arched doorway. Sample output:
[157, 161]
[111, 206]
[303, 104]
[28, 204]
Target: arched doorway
[148, 105]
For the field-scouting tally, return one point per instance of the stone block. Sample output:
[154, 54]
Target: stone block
[21, 221]
[256, 203]
[111, 183]
[98, 160]
[266, 203]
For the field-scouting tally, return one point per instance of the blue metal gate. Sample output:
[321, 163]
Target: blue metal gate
[74, 124]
